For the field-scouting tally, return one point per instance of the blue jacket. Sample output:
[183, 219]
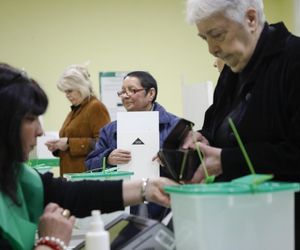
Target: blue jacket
[107, 141]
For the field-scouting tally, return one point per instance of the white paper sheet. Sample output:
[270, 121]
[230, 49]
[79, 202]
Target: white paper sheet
[41, 149]
[138, 132]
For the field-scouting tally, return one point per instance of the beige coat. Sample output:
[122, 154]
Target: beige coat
[81, 127]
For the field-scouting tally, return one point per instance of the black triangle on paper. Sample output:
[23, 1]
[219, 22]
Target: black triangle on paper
[138, 141]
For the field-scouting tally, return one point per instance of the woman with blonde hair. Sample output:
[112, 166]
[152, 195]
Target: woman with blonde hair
[80, 129]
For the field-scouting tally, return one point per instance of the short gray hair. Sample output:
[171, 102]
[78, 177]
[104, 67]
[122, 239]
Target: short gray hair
[76, 77]
[196, 10]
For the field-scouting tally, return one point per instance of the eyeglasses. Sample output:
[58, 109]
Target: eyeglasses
[129, 92]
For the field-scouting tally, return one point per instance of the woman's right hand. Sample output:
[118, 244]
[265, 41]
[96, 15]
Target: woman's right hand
[119, 156]
[54, 224]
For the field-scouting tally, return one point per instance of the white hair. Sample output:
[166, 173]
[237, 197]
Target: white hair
[76, 77]
[196, 10]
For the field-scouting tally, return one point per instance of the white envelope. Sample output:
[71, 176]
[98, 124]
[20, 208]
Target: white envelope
[138, 132]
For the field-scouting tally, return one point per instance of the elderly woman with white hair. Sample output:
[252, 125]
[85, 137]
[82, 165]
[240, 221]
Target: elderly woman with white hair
[258, 88]
[80, 129]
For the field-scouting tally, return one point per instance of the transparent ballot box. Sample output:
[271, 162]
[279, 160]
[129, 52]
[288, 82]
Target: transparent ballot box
[233, 216]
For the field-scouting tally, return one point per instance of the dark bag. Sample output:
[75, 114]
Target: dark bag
[181, 164]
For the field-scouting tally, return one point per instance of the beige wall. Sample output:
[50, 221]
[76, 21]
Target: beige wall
[280, 10]
[45, 36]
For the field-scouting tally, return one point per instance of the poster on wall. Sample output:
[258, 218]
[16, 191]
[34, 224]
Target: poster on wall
[109, 84]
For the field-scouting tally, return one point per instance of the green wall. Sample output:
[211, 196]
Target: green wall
[44, 37]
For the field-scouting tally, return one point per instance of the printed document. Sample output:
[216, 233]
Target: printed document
[138, 132]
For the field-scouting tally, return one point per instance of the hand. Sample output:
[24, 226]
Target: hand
[54, 224]
[212, 161]
[132, 191]
[59, 144]
[51, 145]
[119, 156]
[189, 142]
[155, 192]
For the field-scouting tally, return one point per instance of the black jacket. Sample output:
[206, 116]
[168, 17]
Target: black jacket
[82, 197]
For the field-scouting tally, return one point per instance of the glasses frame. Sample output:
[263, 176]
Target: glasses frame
[129, 92]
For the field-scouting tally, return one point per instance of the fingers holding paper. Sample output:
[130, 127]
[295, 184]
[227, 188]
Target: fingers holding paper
[119, 156]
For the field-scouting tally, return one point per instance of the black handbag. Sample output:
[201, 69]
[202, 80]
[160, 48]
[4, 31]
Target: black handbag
[180, 163]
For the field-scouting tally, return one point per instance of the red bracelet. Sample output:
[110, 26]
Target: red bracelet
[52, 242]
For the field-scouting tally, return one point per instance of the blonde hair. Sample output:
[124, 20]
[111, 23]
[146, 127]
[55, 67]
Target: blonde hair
[76, 77]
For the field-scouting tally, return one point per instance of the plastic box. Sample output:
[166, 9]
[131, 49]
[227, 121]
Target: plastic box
[228, 216]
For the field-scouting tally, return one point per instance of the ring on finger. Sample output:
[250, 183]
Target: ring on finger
[66, 213]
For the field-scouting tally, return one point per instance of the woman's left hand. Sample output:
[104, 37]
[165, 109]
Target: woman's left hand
[54, 224]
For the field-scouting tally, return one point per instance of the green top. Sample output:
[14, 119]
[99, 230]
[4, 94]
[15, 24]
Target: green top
[231, 188]
[18, 224]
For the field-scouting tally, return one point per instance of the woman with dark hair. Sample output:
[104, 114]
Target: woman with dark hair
[24, 193]
[138, 93]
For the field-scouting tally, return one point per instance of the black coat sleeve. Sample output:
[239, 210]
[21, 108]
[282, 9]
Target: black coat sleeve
[80, 197]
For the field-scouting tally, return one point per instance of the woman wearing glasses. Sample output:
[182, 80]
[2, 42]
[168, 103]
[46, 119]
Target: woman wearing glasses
[138, 93]
[80, 129]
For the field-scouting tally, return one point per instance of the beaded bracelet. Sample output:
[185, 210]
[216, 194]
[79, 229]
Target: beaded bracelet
[52, 242]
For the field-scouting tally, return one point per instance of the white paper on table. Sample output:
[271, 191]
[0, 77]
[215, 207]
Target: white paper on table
[138, 132]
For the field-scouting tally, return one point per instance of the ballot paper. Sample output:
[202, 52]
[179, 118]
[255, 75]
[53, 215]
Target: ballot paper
[41, 149]
[138, 132]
